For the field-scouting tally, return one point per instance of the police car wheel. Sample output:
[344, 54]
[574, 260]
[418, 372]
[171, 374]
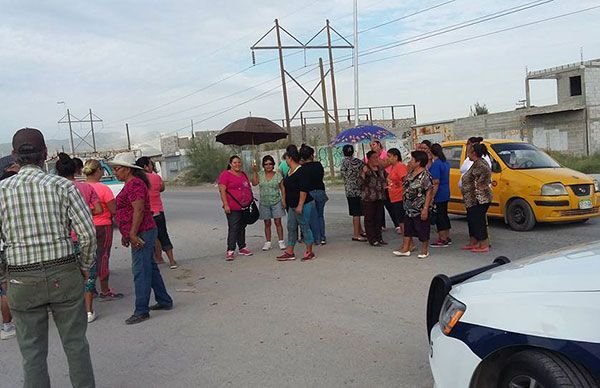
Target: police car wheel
[544, 369]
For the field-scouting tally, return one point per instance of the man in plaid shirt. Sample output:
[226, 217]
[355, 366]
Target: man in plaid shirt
[37, 213]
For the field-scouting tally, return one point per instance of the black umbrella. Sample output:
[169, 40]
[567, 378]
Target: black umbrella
[251, 131]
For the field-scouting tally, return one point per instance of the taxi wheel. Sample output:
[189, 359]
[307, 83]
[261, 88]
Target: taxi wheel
[519, 215]
[543, 369]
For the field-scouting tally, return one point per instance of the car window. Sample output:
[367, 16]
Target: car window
[521, 156]
[453, 155]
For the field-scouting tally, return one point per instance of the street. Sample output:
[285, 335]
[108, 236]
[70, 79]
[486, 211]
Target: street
[353, 317]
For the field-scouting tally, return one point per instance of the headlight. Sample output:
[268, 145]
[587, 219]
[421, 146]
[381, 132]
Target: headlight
[596, 186]
[450, 313]
[552, 189]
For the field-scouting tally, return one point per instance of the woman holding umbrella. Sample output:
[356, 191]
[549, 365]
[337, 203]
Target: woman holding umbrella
[236, 193]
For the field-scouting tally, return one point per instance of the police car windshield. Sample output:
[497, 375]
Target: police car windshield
[522, 156]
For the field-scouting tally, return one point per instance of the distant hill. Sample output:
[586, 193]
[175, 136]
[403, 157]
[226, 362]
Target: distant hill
[104, 141]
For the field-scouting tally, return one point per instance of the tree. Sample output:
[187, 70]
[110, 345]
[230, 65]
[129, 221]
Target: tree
[206, 160]
[478, 109]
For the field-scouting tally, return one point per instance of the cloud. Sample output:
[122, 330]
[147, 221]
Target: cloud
[125, 57]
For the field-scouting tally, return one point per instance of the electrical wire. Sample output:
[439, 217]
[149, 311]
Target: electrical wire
[221, 80]
[431, 48]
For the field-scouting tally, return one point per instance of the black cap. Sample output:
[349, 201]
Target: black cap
[28, 140]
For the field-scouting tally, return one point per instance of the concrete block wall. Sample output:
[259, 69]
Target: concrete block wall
[564, 86]
[592, 97]
[561, 131]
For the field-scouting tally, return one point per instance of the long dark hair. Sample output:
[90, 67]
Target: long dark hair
[140, 174]
[231, 160]
[480, 150]
[143, 162]
[65, 166]
[293, 153]
[438, 152]
[396, 153]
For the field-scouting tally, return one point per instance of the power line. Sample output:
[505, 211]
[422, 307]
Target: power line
[455, 27]
[405, 16]
[426, 49]
[482, 35]
[369, 51]
[221, 80]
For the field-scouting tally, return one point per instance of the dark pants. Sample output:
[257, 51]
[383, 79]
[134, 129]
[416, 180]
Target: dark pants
[30, 294]
[372, 211]
[163, 235]
[476, 221]
[104, 238]
[390, 209]
[398, 212]
[442, 221]
[236, 232]
[416, 227]
[146, 275]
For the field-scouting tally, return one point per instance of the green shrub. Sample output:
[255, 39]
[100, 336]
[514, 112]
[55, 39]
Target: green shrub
[206, 161]
[586, 164]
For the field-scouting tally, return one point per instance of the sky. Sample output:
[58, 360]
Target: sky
[152, 63]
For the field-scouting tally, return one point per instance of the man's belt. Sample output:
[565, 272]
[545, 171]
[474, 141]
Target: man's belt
[43, 264]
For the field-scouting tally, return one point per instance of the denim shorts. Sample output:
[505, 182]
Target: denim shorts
[271, 212]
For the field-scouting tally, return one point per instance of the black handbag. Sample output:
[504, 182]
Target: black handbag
[250, 212]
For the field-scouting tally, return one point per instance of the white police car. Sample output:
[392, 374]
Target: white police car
[533, 323]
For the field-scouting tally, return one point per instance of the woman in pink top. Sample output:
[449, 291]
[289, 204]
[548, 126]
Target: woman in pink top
[157, 186]
[104, 227]
[138, 231]
[235, 190]
[66, 167]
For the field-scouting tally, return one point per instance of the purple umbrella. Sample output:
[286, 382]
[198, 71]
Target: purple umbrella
[362, 134]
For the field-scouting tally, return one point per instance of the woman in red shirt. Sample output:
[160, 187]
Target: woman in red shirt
[138, 231]
[236, 192]
[395, 181]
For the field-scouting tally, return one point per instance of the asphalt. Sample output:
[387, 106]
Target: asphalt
[353, 317]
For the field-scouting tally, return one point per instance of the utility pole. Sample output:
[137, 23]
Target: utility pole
[333, 87]
[355, 64]
[92, 129]
[128, 138]
[70, 132]
[283, 83]
[71, 119]
[300, 46]
[192, 124]
[326, 115]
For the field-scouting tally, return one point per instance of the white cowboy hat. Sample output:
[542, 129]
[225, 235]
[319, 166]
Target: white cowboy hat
[124, 159]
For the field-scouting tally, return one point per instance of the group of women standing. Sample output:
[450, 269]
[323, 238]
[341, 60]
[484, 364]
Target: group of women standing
[297, 189]
[418, 193]
[136, 215]
[416, 196]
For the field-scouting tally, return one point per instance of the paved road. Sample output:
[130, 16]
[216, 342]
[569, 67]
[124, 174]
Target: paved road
[353, 317]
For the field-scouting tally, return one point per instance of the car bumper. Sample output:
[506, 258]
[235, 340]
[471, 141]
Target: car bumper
[452, 362]
[564, 209]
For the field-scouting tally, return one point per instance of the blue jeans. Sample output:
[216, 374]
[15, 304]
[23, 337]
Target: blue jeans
[146, 275]
[317, 218]
[295, 220]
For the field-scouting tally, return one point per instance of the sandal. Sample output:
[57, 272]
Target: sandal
[361, 238]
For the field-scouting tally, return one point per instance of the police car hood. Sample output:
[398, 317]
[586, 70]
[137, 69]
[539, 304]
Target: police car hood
[575, 269]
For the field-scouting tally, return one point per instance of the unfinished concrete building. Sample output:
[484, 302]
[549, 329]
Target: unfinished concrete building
[571, 125]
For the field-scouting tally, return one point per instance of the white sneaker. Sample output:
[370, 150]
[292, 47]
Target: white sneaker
[400, 253]
[8, 331]
[282, 244]
[267, 246]
[92, 316]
